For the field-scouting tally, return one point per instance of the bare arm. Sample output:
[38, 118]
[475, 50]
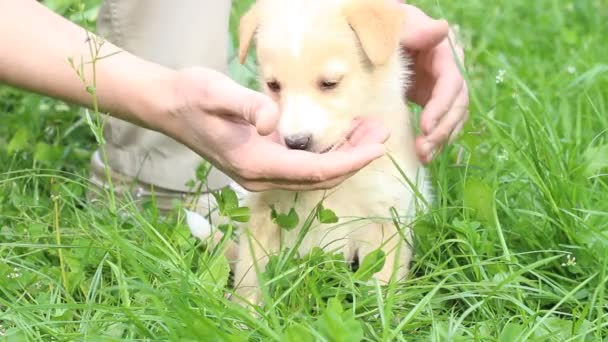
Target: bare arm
[36, 45]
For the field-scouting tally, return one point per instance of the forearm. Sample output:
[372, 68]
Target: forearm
[36, 46]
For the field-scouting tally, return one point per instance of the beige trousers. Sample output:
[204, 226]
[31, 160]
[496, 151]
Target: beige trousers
[175, 34]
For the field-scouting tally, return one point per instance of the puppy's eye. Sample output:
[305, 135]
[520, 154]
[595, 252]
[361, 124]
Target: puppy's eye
[328, 84]
[274, 86]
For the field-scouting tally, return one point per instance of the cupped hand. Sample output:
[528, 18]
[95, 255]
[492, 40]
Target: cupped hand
[233, 128]
[438, 85]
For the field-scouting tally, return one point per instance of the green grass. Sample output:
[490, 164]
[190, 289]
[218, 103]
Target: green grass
[525, 187]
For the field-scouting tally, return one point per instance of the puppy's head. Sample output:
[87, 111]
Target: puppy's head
[320, 60]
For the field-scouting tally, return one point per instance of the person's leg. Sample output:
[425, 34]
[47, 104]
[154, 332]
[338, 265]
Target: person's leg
[191, 33]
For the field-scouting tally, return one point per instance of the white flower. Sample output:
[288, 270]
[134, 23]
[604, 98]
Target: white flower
[15, 274]
[571, 69]
[2, 331]
[501, 76]
[503, 155]
[570, 261]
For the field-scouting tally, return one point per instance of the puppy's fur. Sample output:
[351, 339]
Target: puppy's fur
[326, 62]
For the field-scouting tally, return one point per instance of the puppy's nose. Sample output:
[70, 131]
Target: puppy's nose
[298, 141]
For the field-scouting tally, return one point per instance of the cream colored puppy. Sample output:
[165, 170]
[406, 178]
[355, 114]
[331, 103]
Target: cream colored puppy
[326, 62]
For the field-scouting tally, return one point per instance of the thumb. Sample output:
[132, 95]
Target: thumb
[421, 32]
[265, 116]
[227, 97]
[257, 109]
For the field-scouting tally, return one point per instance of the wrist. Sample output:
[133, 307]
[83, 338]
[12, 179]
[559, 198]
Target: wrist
[152, 98]
[135, 90]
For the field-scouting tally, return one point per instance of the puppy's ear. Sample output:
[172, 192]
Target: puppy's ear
[247, 28]
[377, 24]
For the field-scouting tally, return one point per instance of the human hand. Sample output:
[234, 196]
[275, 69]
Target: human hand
[438, 86]
[233, 128]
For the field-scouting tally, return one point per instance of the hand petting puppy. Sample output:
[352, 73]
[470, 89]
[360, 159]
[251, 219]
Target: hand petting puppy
[439, 86]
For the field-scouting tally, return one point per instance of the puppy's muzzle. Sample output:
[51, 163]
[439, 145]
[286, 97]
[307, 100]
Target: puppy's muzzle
[298, 141]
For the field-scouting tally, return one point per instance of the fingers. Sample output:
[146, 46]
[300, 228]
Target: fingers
[449, 85]
[462, 112]
[257, 186]
[279, 167]
[447, 129]
[300, 166]
[223, 96]
[444, 94]
[421, 32]
[450, 121]
[424, 150]
[441, 88]
[456, 131]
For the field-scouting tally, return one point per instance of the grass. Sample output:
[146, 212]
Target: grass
[515, 249]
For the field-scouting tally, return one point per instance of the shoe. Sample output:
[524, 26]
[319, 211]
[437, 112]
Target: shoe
[198, 218]
[141, 192]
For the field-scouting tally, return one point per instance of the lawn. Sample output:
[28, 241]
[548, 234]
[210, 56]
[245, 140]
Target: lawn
[515, 248]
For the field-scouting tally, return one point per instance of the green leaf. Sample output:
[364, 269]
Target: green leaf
[327, 216]
[94, 127]
[298, 333]
[202, 171]
[337, 325]
[555, 328]
[37, 230]
[19, 141]
[596, 159]
[47, 154]
[218, 199]
[229, 200]
[287, 221]
[241, 214]
[190, 184]
[479, 196]
[511, 332]
[215, 273]
[371, 264]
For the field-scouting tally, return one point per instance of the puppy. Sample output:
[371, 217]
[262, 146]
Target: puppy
[327, 62]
